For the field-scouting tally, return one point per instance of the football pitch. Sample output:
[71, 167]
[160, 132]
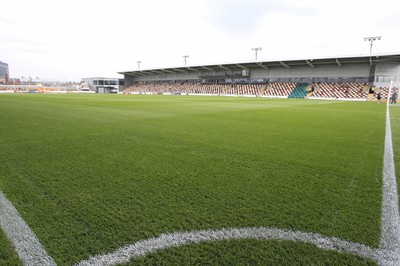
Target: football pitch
[194, 180]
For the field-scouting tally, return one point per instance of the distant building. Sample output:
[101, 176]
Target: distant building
[4, 73]
[102, 85]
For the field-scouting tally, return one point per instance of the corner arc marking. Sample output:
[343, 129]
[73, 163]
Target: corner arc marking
[164, 241]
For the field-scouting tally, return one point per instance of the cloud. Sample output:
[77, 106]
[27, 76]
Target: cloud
[21, 46]
[242, 18]
[10, 21]
[390, 20]
[15, 39]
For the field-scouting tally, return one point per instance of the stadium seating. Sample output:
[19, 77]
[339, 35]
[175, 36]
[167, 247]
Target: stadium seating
[217, 89]
[324, 90]
[279, 89]
[339, 91]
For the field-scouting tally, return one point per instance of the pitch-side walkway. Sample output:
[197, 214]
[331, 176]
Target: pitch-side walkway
[32, 252]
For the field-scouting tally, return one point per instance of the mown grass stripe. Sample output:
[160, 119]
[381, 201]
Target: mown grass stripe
[28, 247]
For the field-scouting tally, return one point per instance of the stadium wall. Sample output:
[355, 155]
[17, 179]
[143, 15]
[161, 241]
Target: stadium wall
[385, 73]
[329, 71]
[162, 77]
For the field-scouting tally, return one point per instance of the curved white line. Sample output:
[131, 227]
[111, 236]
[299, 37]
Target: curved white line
[164, 241]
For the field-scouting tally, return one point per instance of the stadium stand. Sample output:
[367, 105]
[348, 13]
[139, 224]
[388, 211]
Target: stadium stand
[347, 78]
[273, 89]
[324, 90]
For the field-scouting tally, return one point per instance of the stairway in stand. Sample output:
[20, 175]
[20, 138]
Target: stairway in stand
[299, 91]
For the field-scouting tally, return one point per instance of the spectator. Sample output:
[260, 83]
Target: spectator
[393, 99]
[379, 97]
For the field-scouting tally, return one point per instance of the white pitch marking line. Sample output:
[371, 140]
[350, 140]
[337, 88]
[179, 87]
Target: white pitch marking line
[390, 222]
[28, 247]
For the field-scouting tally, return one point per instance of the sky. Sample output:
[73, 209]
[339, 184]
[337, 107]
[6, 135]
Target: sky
[74, 39]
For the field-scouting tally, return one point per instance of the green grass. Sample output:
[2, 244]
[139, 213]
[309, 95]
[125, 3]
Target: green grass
[91, 173]
[8, 256]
